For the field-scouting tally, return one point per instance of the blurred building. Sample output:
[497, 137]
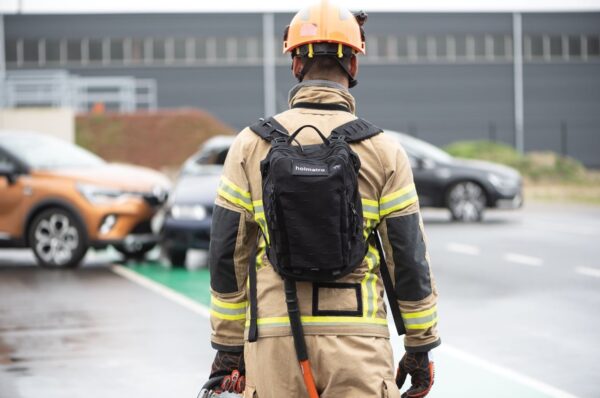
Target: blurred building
[441, 77]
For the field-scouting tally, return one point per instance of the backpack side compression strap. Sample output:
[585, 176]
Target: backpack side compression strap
[268, 129]
[357, 130]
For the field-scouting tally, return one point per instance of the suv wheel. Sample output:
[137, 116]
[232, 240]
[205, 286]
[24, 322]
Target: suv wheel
[466, 201]
[57, 238]
[177, 257]
[135, 251]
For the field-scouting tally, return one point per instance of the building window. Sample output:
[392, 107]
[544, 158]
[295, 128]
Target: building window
[221, 48]
[159, 51]
[536, 47]
[117, 51]
[74, 50]
[138, 53]
[460, 46]
[555, 44]
[52, 51]
[179, 49]
[95, 50]
[30, 51]
[574, 46]
[200, 49]
[11, 50]
[593, 46]
[402, 47]
[421, 47]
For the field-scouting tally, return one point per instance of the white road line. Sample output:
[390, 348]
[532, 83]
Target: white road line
[505, 372]
[162, 290]
[523, 259]
[463, 249]
[587, 271]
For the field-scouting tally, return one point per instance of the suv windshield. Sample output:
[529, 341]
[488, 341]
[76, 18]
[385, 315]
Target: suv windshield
[43, 152]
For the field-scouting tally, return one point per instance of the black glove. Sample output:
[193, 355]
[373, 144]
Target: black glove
[230, 366]
[421, 371]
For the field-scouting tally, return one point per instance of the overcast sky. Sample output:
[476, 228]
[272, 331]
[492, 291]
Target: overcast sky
[74, 6]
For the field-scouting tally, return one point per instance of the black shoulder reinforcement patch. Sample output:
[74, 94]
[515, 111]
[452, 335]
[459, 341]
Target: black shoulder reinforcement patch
[411, 270]
[223, 235]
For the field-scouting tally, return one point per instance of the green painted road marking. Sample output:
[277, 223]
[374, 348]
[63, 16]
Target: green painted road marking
[192, 284]
[458, 374]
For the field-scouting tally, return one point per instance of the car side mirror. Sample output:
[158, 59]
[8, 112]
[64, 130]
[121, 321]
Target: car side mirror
[8, 171]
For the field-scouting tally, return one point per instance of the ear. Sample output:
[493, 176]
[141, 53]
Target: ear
[297, 66]
[353, 66]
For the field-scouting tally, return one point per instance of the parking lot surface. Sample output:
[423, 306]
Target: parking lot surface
[519, 295]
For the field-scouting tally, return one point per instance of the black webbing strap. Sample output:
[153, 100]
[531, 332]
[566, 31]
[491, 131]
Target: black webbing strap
[321, 106]
[356, 130]
[269, 129]
[252, 297]
[389, 286]
[291, 299]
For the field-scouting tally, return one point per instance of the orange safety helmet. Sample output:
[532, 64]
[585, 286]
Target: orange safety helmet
[325, 23]
[325, 29]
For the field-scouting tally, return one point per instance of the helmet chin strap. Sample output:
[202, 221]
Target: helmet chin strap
[309, 62]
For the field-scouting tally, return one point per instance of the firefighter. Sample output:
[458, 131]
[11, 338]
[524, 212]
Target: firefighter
[345, 326]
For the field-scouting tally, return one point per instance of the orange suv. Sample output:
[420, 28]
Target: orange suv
[59, 200]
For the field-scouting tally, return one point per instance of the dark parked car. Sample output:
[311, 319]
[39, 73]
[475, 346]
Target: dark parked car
[186, 218]
[465, 187]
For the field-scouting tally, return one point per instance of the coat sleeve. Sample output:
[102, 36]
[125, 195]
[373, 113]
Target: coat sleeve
[232, 245]
[402, 233]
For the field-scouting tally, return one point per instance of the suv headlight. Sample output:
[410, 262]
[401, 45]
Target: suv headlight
[98, 195]
[190, 212]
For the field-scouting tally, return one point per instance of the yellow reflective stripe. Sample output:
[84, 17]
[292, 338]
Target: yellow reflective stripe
[420, 326]
[320, 320]
[223, 304]
[394, 195]
[235, 194]
[420, 313]
[228, 317]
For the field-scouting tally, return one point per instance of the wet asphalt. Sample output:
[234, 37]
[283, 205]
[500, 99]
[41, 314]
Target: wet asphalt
[520, 290]
[90, 333]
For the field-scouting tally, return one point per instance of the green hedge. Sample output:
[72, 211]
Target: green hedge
[534, 165]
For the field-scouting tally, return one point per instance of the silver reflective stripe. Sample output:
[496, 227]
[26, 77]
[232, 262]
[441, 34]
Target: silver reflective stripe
[228, 311]
[370, 208]
[371, 276]
[421, 320]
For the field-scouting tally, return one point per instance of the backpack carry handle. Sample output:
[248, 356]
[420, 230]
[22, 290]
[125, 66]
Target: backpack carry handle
[326, 141]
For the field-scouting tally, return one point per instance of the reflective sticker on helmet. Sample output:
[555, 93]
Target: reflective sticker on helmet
[308, 29]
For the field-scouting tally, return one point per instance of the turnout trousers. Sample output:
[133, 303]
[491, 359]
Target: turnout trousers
[343, 366]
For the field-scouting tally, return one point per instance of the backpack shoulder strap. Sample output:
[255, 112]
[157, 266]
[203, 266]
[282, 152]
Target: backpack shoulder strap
[269, 129]
[357, 130]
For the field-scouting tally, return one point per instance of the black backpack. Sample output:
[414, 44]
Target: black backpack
[311, 201]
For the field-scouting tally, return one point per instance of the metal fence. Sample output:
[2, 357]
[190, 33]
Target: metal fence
[58, 88]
